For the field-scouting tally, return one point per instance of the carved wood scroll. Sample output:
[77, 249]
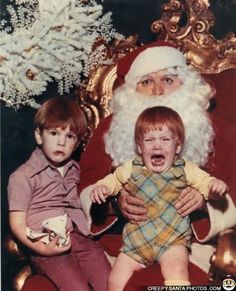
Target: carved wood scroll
[187, 24]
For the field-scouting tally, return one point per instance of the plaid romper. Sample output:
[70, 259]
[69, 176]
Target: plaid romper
[147, 241]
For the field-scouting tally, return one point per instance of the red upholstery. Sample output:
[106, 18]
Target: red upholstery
[225, 95]
[38, 283]
[112, 243]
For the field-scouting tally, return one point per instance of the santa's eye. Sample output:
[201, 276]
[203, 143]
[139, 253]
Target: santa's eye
[146, 82]
[168, 80]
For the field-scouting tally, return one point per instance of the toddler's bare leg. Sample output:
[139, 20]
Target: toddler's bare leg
[121, 272]
[174, 266]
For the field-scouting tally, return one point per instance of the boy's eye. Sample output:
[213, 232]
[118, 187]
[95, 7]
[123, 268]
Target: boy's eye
[53, 132]
[71, 136]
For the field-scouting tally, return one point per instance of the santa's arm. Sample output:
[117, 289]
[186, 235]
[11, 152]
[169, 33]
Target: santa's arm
[221, 215]
[95, 163]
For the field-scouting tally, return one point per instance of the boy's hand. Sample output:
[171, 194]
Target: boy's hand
[218, 189]
[18, 225]
[53, 249]
[99, 194]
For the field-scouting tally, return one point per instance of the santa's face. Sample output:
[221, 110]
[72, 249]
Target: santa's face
[159, 149]
[159, 83]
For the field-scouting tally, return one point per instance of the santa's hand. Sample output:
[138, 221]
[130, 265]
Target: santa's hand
[131, 207]
[99, 194]
[188, 201]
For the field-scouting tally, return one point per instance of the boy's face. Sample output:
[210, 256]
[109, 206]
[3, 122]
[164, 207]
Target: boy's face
[159, 149]
[58, 144]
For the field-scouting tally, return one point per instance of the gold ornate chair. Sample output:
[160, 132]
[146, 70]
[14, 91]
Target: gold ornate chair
[187, 24]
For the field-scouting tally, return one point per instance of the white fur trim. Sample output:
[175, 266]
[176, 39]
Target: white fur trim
[200, 256]
[86, 203]
[155, 59]
[102, 230]
[220, 219]
[110, 258]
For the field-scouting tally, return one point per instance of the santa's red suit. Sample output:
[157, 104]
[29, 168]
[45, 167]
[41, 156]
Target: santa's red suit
[96, 163]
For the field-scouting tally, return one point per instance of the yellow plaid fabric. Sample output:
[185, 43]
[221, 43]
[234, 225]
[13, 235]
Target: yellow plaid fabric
[147, 241]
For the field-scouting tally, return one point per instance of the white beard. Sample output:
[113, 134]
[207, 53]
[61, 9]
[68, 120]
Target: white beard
[127, 104]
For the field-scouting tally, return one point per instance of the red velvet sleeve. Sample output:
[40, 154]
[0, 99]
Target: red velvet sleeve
[95, 163]
[222, 165]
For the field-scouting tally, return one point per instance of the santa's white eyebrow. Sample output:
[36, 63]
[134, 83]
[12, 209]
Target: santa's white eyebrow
[170, 75]
[143, 78]
[150, 76]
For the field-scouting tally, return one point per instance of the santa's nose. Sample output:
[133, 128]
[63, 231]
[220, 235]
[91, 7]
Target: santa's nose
[157, 90]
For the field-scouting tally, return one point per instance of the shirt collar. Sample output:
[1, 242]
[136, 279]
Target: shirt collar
[173, 171]
[39, 162]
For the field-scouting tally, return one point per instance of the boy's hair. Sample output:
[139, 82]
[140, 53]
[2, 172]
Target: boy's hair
[154, 118]
[61, 112]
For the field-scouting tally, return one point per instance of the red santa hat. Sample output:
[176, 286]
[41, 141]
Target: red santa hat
[147, 59]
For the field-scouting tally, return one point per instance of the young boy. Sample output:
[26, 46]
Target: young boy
[44, 208]
[158, 175]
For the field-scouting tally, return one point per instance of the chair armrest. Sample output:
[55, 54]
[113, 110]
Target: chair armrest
[16, 264]
[223, 261]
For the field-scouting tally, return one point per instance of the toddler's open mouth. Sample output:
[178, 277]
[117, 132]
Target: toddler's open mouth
[158, 159]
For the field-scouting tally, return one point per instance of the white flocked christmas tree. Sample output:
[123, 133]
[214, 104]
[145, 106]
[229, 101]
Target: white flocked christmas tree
[49, 41]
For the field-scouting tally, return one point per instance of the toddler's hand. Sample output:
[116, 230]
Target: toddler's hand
[218, 189]
[99, 194]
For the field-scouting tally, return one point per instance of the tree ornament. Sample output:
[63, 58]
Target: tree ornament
[30, 75]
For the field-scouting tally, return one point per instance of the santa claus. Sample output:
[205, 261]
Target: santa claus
[157, 74]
